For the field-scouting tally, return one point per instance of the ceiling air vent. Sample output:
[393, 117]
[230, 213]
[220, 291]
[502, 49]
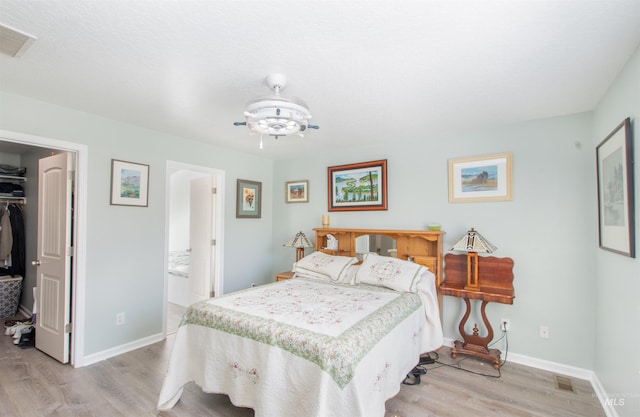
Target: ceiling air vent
[13, 42]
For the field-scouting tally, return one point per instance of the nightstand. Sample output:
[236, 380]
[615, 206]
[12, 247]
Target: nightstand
[281, 276]
[496, 285]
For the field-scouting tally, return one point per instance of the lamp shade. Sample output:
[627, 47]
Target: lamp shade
[473, 241]
[298, 241]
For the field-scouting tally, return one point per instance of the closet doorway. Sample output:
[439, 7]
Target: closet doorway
[26, 150]
[193, 238]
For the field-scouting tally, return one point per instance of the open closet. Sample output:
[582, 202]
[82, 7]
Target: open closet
[18, 214]
[12, 242]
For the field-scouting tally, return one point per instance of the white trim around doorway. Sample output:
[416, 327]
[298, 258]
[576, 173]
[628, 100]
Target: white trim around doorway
[79, 265]
[173, 166]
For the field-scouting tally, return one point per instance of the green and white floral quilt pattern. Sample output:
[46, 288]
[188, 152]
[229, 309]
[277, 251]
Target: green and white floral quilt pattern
[332, 325]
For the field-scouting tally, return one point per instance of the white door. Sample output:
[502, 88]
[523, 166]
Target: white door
[201, 238]
[55, 185]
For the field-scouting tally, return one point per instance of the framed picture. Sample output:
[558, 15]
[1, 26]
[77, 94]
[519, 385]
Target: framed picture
[361, 186]
[129, 184]
[297, 191]
[480, 178]
[616, 222]
[249, 199]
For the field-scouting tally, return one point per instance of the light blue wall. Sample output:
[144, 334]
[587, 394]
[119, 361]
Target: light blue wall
[588, 297]
[547, 228]
[618, 277]
[125, 245]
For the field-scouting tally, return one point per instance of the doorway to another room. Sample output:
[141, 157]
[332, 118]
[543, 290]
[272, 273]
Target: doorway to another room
[193, 238]
[67, 341]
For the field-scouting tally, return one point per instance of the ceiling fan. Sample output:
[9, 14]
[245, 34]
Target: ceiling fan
[277, 115]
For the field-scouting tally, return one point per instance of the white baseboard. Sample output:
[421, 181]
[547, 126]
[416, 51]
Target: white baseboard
[609, 409]
[119, 350]
[23, 311]
[561, 369]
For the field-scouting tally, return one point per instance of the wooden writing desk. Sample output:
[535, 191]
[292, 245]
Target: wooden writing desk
[496, 285]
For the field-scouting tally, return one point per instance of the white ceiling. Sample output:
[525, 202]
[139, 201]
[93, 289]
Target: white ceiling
[370, 71]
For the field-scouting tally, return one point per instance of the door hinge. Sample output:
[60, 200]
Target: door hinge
[67, 328]
[214, 190]
[71, 174]
[213, 242]
[70, 251]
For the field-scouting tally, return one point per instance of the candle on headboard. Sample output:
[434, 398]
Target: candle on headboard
[325, 220]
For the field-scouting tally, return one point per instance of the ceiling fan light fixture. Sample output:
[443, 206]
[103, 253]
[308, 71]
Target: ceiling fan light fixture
[276, 115]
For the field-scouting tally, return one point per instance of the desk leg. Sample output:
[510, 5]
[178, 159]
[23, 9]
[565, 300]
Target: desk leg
[474, 344]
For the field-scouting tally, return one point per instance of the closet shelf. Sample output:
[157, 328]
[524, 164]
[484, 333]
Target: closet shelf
[13, 177]
[10, 199]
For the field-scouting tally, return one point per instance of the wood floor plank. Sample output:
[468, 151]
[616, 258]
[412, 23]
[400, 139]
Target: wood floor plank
[34, 385]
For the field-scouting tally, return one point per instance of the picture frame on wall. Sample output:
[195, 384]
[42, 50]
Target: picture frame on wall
[297, 191]
[248, 199]
[129, 184]
[616, 212]
[359, 186]
[480, 178]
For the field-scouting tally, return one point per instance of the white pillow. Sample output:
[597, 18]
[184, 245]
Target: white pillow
[323, 266]
[394, 273]
[349, 277]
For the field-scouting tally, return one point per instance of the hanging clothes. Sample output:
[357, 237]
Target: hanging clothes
[6, 237]
[12, 220]
[18, 251]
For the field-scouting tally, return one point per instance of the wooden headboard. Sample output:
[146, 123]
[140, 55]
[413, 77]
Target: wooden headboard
[424, 246]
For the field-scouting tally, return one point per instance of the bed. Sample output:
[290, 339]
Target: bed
[336, 340]
[178, 278]
[179, 264]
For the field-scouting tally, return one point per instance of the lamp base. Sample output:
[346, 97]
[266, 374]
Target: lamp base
[472, 272]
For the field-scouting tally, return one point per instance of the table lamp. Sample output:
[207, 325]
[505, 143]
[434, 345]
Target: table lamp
[473, 243]
[299, 241]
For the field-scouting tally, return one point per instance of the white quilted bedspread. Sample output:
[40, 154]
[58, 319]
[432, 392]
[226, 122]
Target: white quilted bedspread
[304, 347]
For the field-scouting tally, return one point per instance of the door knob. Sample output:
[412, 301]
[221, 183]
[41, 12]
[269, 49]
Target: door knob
[35, 263]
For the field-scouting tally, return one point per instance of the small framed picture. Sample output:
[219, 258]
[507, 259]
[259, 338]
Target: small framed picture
[616, 221]
[248, 199]
[360, 186]
[129, 184]
[480, 178]
[297, 191]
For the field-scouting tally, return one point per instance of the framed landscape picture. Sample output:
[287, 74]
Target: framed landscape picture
[297, 191]
[616, 219]
[249, 199]
[129, 184]
[480, 178]
[360, 186]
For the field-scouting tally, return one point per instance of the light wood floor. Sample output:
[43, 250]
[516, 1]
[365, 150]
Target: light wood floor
[34, 385]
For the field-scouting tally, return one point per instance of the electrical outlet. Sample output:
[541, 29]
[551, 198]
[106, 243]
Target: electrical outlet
[119, 319]
[544, 332]
[505, 325]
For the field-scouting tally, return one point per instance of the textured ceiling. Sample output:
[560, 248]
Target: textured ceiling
[370, 71]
